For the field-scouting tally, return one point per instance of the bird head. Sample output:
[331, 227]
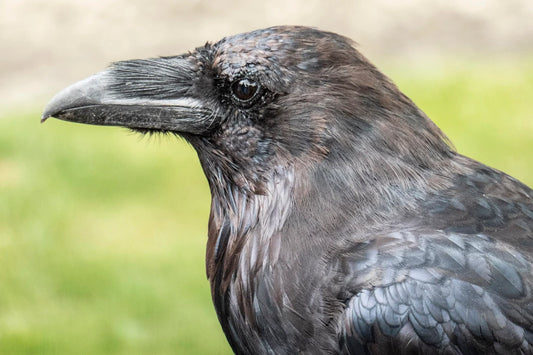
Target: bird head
[256, 101]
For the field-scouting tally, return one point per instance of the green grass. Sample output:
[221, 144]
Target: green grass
[102, 233]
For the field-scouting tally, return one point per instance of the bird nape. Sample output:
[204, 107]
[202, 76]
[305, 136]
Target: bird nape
[341, 220]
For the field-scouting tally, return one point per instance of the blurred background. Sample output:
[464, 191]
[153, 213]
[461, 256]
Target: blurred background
[102, 231]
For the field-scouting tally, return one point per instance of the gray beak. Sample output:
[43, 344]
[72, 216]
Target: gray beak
[152, 94]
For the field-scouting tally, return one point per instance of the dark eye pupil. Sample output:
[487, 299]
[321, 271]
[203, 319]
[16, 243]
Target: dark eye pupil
[244, 89]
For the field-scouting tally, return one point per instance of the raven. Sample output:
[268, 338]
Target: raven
[342, 221]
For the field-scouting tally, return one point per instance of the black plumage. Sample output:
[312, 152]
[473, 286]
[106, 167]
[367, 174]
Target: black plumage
[341, 219]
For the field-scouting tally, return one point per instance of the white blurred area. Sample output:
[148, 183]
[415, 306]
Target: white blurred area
[46, 45]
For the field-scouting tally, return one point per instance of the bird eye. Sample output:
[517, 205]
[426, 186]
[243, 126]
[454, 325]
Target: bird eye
[244, 89]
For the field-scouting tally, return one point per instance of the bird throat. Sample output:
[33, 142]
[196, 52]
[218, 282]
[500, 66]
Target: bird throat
[244, 240]
[242, 220]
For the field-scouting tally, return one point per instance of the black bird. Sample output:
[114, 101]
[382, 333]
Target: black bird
[341, 221]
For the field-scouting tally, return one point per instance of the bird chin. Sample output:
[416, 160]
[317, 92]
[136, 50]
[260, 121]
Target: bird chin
[152, 132]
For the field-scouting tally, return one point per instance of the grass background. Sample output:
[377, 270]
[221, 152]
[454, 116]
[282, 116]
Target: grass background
[102, 231]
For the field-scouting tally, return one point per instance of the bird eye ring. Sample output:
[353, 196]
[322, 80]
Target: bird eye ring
[244, 90]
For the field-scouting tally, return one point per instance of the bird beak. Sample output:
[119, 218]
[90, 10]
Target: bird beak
[151, 94]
